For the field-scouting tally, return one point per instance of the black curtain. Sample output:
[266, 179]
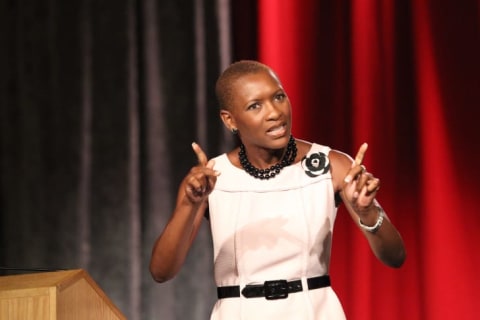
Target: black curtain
[100, 101]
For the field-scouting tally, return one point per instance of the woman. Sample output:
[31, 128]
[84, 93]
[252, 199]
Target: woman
[271, 203]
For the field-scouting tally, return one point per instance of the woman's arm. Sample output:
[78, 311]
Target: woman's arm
[173, 244]
[171, 248]
[386, 242]
[358, 188]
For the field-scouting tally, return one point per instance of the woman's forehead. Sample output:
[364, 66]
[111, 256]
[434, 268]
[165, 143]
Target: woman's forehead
[256, 83]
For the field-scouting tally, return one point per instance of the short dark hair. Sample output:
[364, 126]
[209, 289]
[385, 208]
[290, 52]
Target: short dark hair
[224, 85]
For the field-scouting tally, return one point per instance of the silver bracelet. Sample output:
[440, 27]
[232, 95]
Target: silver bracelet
[377, 225]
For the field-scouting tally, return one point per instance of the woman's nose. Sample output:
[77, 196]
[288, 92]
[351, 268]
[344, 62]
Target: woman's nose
[273, 110]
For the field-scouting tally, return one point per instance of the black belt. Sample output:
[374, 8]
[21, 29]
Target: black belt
[271, 290]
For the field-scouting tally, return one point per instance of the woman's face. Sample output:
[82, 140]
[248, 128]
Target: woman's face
[260, 110]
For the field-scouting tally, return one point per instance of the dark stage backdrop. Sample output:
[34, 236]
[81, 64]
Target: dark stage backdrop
[100, 101]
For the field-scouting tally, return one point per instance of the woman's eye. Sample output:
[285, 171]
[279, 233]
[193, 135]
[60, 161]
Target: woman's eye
[280, 96]
[254, 105]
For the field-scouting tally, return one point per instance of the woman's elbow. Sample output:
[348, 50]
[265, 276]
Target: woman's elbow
[397, 260]
[159, 278]
[160, 275]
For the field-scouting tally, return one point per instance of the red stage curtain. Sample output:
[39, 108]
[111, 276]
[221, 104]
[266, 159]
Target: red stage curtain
[403, 76]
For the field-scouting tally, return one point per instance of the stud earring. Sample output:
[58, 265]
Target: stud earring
[235, 131]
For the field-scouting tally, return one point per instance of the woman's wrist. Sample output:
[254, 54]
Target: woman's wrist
[367, 222]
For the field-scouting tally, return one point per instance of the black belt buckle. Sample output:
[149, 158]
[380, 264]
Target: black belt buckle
[276, 289]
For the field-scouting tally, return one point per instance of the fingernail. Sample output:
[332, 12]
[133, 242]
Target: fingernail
[347, 179]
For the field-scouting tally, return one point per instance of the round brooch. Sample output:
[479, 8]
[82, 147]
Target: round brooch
[316, 164]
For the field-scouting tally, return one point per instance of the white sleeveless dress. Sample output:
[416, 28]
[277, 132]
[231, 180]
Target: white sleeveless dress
[273, 229]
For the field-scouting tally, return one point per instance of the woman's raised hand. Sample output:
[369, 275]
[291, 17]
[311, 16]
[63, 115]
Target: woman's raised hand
[360, 186]
[201, 179]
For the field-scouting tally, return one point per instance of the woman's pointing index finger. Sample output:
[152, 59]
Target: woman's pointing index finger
[201, 156]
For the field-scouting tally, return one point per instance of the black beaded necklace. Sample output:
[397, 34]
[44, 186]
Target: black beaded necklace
[287, 159]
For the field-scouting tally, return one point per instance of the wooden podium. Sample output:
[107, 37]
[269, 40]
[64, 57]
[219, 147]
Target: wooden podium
[58, 295]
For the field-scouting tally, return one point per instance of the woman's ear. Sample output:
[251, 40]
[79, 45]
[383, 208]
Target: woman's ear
[228, 120]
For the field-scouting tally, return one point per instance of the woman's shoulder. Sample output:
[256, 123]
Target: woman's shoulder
[341, 157]
[304, 148]
[339, 162]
